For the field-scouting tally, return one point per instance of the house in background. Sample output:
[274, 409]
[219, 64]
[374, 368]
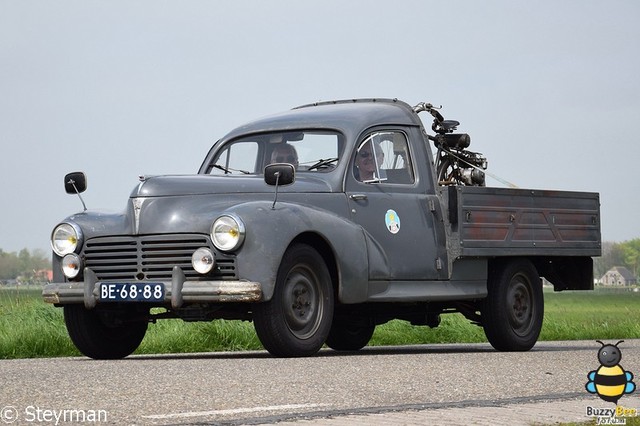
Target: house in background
[44, 275]
[618, 276]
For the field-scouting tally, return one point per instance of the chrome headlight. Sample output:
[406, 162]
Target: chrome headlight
[66, 238]
[71, 265]
[227, 232]
[203, 260]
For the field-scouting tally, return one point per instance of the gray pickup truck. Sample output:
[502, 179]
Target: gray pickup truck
[318, 224]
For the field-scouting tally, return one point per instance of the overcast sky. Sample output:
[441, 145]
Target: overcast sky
[548, 90]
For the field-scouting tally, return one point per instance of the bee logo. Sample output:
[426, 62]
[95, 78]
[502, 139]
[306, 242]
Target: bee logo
[610, 381]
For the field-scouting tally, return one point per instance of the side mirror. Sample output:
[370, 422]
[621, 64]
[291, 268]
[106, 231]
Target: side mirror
[280, 174]
[75, 183]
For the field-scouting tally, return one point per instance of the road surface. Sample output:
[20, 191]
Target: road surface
[382, 385]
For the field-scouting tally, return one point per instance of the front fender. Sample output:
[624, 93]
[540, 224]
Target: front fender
[270, 231]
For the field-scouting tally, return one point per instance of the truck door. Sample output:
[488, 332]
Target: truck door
[396, 207]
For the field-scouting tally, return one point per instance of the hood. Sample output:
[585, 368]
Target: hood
[186, 204]
[166, 186]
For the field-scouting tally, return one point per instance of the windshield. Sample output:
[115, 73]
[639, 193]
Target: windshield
[308, 151]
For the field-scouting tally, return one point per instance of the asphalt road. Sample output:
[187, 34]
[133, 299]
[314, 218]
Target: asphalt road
[254, 388]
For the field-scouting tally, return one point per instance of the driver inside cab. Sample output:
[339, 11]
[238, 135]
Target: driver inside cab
[368, 161]
[285, 153]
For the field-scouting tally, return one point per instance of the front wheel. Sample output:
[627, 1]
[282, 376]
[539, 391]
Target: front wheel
[297, 319]
[513, 310]
[102, 334]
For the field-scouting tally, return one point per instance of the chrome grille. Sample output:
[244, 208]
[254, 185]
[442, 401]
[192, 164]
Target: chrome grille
[152, 257]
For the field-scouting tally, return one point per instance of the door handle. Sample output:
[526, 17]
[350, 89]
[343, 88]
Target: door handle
[357, 197]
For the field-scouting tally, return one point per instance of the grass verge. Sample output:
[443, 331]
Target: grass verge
[31, 328]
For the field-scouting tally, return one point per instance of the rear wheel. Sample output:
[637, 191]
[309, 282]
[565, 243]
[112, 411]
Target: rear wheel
[102, 334]
[350, 335]
[514, 308]
[297, 319]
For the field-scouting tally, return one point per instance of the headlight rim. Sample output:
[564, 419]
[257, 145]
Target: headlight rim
[79, 236]
[239, 225]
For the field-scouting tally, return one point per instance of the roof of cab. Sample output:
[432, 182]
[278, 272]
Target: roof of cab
[347, 116]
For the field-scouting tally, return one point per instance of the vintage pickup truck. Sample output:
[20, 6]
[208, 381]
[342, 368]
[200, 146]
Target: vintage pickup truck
[318, 224]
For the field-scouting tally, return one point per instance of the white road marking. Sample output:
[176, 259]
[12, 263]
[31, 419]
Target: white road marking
[233, 411]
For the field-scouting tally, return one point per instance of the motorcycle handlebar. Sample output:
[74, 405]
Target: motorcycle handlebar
[425, 106]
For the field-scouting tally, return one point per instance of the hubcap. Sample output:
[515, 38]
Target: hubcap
[519, 301]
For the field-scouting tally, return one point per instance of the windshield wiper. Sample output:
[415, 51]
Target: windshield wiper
[228, 170]
[321, 164]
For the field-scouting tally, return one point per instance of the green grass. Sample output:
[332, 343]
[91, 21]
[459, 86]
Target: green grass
[176, 336]
[31, 328]
[604, 314]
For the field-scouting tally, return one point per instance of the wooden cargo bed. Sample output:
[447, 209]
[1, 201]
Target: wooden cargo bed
[525, 222]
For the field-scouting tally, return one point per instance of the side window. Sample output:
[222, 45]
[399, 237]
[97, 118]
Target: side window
[237, 158]
[383, 157]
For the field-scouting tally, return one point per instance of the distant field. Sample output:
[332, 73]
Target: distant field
[31, 328]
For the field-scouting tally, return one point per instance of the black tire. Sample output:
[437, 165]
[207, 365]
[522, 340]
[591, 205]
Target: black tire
[446, 173]
[514, 308]
[100, 339]
[346, 335]
[297, 319]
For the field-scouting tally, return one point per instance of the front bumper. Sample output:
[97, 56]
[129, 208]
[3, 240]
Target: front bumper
[177, 291]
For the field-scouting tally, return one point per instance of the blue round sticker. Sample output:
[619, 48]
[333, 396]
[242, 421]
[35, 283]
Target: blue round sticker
[392, 220]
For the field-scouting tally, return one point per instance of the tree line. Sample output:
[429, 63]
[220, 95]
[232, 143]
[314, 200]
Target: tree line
[24, 265]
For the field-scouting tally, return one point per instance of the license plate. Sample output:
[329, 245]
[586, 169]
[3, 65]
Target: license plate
[132, 292]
